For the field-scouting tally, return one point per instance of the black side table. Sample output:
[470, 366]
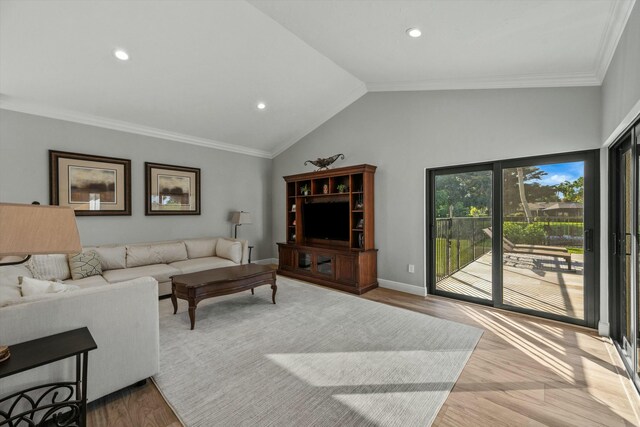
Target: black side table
[59, 403]
[250, 249]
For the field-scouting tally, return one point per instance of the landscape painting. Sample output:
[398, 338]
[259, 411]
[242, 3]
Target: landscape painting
[91, 185]
[172, 190]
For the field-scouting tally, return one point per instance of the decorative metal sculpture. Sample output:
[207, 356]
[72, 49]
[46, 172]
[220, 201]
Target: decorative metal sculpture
[324, 163]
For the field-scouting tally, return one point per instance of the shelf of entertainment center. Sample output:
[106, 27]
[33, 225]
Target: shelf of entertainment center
[330, 229]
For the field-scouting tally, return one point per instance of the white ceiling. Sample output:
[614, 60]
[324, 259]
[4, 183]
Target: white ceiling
[464, 43]
[198, 68]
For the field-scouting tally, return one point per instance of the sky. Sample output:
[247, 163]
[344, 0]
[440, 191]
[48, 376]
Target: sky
[560, 172]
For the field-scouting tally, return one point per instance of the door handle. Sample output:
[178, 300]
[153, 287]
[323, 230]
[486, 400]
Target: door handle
[588, 240]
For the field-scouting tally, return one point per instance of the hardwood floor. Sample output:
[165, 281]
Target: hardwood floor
[525, 371]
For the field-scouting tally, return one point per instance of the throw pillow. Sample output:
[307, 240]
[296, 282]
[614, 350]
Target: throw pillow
[50, 267]
[85, 264]
[230, 250]
[30, 286]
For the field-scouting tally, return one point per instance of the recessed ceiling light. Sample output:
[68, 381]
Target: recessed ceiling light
[414, 32]
[261, 105]
[122, 55]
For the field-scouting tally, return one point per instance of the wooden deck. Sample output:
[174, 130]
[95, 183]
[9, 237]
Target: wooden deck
[530, 281]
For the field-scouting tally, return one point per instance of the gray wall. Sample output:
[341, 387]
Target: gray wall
[405, 132]
[229, 181]
[621, 86]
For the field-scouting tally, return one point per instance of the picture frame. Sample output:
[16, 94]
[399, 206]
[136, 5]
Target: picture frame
[91, 185]
[171, 190]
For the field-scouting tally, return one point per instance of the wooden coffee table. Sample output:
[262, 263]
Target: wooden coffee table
[194, 287]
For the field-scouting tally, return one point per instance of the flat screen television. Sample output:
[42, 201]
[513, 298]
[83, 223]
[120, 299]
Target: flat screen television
[329, 221]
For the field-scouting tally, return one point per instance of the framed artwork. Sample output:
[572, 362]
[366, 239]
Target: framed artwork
[91, 185]
[171, 190]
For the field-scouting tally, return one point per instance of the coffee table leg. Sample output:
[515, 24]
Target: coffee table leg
[174, 300]
[192, 313]
[275, 289]
[252, 291]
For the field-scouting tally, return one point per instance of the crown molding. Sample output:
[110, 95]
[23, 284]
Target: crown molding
[618, 16]
[119, 125]
[352, 96]
[498, 82]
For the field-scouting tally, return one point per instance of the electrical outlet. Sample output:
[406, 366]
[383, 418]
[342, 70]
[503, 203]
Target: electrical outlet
[412, 268]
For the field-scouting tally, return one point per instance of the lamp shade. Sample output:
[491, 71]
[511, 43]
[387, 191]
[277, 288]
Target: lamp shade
[33, 229]
[241, 217]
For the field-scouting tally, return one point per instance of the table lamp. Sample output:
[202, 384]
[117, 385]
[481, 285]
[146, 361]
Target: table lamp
[27, 230]
[240, 218]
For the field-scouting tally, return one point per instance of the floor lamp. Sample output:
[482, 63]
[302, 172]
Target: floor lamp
[240, 218]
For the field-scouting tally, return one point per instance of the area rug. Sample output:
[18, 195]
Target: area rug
[317, 358]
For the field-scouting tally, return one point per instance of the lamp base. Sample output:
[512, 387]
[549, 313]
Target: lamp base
[22, 261]
[4, 353]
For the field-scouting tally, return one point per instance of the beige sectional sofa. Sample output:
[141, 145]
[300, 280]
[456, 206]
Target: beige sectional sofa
[161, 260]
[121, 263]
[120, 307]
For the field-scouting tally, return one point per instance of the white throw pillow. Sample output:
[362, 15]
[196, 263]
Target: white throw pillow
[9, 284]
[31, 286]
[230, 250]
[50, 267]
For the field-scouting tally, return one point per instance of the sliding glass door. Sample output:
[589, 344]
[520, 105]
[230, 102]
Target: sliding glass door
[517, 234]
[544, 237]
[624, 259]
[462, 228]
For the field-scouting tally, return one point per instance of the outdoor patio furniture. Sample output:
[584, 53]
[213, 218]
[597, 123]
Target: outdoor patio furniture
[556, 252]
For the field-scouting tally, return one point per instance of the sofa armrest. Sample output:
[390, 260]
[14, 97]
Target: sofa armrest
[245, 249]
[122, 318]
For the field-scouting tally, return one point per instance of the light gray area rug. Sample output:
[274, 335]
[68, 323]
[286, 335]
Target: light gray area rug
[317, 358]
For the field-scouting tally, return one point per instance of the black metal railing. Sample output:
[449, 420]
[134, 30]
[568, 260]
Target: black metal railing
[459, 242]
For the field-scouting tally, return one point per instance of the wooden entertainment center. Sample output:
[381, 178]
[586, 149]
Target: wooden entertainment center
[348, 263]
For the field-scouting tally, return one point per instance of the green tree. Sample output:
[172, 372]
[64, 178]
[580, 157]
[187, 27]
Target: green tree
[572, 191]
[460, 192]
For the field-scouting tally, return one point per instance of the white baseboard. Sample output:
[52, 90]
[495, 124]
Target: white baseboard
[266, 261]
[603, 328]
[402, 287]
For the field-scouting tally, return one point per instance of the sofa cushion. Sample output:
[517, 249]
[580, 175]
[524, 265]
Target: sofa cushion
[50, 267]
[200, 248]
[111, 257]
[155, 253]
[199, 264]
[229, 249]
[171, 252]
[9, 285]
[138, 255]
[84, 264]
[160, 272]
[88, 282]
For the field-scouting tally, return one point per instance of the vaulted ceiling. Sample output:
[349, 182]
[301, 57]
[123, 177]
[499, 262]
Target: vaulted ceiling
[198, 69]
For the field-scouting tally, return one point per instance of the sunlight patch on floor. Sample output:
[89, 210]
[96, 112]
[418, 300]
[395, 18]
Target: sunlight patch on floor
[382, 409]
[369, 367]
[524, 344]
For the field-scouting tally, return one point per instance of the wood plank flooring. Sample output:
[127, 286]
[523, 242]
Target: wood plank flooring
[525, 371]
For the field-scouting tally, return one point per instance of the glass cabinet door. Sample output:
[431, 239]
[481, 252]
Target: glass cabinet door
[324, 264]
[304, 261]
